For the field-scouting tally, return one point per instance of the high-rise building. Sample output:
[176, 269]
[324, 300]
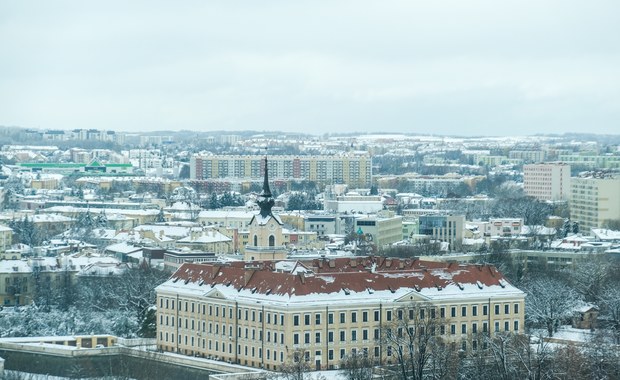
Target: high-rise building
[267, 314]
[547, 181]
[353, 170]
[594, 199]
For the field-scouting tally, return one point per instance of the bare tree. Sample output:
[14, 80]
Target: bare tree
[298, 366]
[610, 309]
[357, 366]
[413, 339]
[549, 302]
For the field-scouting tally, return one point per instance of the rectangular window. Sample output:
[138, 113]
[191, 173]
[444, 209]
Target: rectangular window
[463, 311]
[295, 338]
[506, 326]
[400, 314]
[353, 317]
[485, 327]
[506, 309]
[307, 338]
[516, 308]
[295, 320]
[377, 316]
[317, 319]
[433, 313]
[389, 315]
[307, 319]
[317, 337]
[474, 328]
[442, 329]
[330, 318]
[422, 313]
[516, 326]
[442, 312]
[365, 316]
[453, 312]
[452, 329]
[342, 335]
[330, 336]
[496, 326]
[353, 335]
[330, 355]
[463, 328]
[474, 310]
[485, 310]
[342, 317]
[496, 309]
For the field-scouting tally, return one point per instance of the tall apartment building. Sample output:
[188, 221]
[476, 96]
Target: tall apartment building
[353, 170]
[594, 200]
[263, 314]
[547, 181]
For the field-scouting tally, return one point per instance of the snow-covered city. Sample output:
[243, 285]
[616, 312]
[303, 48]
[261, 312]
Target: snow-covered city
[393, 255]
[310, 190]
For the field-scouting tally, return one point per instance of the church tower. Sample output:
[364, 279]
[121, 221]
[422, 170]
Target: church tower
[266, 241]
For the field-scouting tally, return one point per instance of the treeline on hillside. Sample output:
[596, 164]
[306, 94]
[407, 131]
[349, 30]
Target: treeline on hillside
[120, 305]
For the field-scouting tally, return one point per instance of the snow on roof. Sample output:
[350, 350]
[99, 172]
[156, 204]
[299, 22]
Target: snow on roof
[206, 237]
[171, 231]
[122, 247]
[340, 280]
[605, 234]
[101, 269]
[14, 266]
[50, 218]
[223, 214]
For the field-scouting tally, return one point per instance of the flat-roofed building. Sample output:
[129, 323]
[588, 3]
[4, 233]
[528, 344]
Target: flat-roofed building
[595, 198]
[353, 170]
[547, 181]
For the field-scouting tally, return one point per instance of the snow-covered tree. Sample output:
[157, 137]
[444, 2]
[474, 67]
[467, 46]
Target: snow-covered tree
[609, 303]
[549, 302]
[412, 339]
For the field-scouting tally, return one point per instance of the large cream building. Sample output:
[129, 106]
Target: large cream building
[547, 181]
[594, 200]
[261, 314]
[353, 170]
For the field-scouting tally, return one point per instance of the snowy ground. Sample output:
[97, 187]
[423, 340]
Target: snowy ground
[16, 375]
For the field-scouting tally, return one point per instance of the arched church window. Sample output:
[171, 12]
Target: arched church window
[272, 240]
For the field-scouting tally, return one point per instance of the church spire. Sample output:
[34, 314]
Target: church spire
[265, 200]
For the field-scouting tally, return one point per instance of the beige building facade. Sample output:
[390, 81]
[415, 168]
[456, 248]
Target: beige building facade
[261, 314]
[547, 181]
[594, 200]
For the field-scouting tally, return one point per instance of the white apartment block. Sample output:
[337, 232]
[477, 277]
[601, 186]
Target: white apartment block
[594, 200]
[353, 170]
[263, 314]
[547, 181]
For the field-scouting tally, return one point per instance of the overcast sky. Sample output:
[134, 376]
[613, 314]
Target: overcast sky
[463, 67]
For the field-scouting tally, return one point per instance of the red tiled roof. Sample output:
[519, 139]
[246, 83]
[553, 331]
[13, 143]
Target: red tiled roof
[347, 274]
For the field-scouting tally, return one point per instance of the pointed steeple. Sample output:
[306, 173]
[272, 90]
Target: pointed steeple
[266, 191]
[265, 201]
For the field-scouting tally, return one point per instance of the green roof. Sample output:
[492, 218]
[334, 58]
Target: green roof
[69, 165]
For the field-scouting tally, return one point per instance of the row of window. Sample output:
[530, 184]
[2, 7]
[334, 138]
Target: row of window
[399, 333]
[401, 314]
[221, 310]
